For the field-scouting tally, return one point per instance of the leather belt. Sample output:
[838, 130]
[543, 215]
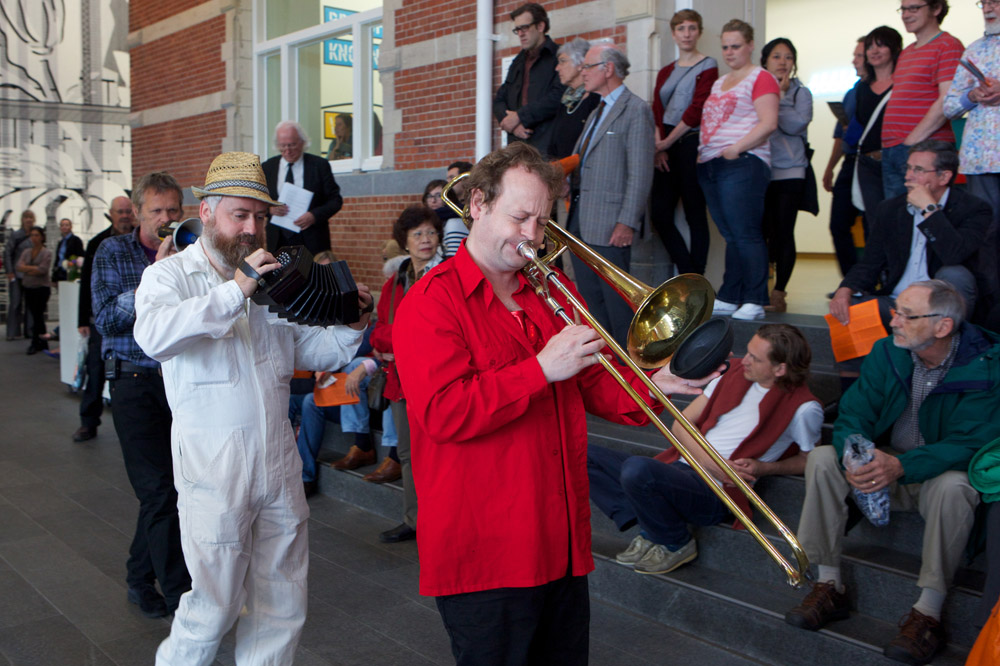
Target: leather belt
[124, 367]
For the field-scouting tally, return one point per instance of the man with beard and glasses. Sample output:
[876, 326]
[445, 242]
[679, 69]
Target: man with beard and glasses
[227, 363]
[930, 393]
[138, 401]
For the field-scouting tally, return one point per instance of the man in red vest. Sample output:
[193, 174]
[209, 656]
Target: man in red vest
[754, 419]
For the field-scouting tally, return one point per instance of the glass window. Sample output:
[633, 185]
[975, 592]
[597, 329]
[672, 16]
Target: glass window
[331, 78]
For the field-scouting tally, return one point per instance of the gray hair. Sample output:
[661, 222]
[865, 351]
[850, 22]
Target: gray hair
[213, 202]
[611, 53]
[945, 301]
[295, 126]
[575, 50]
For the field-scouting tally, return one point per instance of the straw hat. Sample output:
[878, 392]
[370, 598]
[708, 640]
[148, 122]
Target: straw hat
[235, 175]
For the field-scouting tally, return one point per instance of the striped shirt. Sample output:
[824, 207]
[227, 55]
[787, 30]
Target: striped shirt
[729, 115]
[915, 82]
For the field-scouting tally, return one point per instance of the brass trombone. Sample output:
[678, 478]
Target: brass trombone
[664, 317]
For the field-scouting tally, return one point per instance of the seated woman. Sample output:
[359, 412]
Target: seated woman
[418, 231]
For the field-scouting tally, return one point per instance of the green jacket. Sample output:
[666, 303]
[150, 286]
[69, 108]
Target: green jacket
[956, 419]
[984, 471]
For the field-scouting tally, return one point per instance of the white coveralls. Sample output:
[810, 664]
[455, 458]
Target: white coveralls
[226, 365]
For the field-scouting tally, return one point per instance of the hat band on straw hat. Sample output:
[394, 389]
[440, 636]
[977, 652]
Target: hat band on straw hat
[219, 184]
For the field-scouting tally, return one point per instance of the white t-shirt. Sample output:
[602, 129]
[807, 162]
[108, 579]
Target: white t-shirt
[734, 426]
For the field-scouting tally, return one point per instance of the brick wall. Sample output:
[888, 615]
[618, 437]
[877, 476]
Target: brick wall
[165, 70]
[183, 147]
[359, 231]
[145, 12]
[438, 107]
[420, 20]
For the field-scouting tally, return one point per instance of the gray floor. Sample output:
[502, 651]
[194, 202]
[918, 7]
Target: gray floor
[67, 515]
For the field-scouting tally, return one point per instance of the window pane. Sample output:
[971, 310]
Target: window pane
[272, 97]
[284, 17]
[376, 130]
[326, 83]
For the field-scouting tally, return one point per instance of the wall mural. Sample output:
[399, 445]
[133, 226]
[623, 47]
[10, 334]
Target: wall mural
[65, 142]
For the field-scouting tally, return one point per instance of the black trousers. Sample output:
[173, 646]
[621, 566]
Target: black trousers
[35, 299]
[92, 402]
[781, 208]
[681, 183]
[547, 625]
[842, 216]
[142, 421]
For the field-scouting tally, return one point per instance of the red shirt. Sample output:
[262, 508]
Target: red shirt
[915, 82]
[499, 455]
[381, 338]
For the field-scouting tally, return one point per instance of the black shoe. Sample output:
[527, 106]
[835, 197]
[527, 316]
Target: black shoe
[401, 532]
[33, 350]
[84, 433]
[149, 601]
[310, 487]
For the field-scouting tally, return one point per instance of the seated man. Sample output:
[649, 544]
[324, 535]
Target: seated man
[934, 231]
[752, 418]
[930, 392]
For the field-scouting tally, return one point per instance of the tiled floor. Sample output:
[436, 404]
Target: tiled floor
[67, 515]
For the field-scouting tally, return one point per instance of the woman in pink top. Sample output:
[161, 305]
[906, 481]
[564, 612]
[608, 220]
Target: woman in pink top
[734, 169]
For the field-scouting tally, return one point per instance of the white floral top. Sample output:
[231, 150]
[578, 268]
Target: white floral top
[980, 151]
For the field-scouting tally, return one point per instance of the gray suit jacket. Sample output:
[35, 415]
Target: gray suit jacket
[618, 172]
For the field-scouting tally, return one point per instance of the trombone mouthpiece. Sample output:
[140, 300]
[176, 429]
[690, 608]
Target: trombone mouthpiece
[525, 249]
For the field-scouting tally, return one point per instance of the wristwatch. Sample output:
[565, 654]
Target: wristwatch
[926, 212]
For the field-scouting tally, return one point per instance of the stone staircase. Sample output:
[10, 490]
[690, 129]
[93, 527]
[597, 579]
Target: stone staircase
[734, 596]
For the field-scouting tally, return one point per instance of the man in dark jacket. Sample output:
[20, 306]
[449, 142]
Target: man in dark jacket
[529, 99]
[70, 245]
[933, 231]
[929, 394]
[307, 171]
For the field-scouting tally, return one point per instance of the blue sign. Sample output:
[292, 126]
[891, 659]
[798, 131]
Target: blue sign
[341, 52]
[335, 13]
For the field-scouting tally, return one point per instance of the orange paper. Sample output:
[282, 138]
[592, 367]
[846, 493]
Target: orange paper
[334, 394]
[860, 335]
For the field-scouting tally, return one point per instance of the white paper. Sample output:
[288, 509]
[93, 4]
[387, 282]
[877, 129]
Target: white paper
[297, 199]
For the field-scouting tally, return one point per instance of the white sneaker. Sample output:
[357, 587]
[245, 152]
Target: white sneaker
[724, 308]
[749, 312]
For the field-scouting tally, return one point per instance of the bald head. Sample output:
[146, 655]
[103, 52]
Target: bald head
[122, 217]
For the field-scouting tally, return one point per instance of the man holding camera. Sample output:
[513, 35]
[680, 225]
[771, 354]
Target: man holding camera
[138, 401]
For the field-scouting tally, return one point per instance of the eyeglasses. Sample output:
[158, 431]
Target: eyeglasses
[430, 233]
[289, 146]
[908, 317]
[593, 64]
[919, 169]
[992, 4]
[520, 29]
[434, 195]
[911, 9]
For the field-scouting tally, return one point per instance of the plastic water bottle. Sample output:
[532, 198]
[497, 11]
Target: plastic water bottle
[858, 452]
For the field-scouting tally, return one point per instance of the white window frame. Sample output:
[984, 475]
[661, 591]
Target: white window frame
[287, 46]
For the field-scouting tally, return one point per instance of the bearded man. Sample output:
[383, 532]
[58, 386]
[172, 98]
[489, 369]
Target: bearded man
[227, 363]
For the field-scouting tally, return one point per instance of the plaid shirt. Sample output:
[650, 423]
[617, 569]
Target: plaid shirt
[906, 431]
[118, 267]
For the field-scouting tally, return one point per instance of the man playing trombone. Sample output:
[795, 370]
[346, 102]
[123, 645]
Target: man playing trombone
[498, 387]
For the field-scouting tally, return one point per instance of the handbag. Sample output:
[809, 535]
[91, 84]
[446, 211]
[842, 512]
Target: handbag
[809, 202]
[856, 197]
[376, 384]
[376, 388]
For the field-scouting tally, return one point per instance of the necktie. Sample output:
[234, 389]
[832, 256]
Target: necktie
[288, 175]
[590, 130]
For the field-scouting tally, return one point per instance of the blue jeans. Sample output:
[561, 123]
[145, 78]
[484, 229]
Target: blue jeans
[663, 498]
[352, 418]
[734, 190]
[894, 171]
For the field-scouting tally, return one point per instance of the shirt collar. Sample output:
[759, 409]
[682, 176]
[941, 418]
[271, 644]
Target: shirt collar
[292, 164]
[613, 96]
[470, 276]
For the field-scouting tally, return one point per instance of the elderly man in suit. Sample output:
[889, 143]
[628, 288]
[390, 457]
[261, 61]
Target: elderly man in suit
[311, 172]
[610, 188]
[70, 245]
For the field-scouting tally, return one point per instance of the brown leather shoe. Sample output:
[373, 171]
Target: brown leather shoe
[920, 637]
[354, 459]
[823, 604]
[389, 470]
[778, 303]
